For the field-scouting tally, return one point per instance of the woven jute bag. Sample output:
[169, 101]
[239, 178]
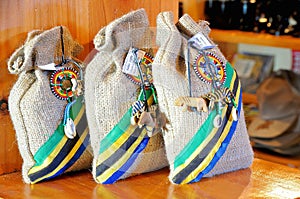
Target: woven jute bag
[196, 144]
[37, 112]
[120, 148]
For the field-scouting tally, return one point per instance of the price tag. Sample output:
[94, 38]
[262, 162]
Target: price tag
[130, 64]
[199, 41]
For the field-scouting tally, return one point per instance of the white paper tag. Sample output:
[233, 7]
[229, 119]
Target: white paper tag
[199, 41]
[50, 66]
[130, 64]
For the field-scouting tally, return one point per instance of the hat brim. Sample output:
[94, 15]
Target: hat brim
[286, 140]
[293, 150]
[260, 128]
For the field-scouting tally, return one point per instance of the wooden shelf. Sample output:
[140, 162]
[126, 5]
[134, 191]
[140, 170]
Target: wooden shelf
[236, 36]
[263, 179]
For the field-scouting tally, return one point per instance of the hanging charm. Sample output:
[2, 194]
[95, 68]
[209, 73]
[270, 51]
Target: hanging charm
[191, 102]
[138, 68]
[154, 121]
[66, 83]
[69, 126]
[209, 68]
[202, 71]
[223, 96]
[217, 121]
[138, 107]
[63, 83]
[234, 114]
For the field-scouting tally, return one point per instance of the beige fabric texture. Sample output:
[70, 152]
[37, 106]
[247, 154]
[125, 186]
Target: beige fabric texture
[109, 93]
[34, 110]
[171, 81]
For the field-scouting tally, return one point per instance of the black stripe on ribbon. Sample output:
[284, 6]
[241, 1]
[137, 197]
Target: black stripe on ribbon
[65, 150]
[203, 154]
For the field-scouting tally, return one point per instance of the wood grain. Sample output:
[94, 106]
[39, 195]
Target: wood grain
[194, 8]
[83, 18]
[262, 180]
[263, 39]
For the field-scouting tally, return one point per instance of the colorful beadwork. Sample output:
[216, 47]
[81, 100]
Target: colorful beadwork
[61, 82]
[202, 70]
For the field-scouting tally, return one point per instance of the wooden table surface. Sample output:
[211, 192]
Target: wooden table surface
[263, 180]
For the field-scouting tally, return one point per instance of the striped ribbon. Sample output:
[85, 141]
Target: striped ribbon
[121, 146]
[59, 153]
[209, 143]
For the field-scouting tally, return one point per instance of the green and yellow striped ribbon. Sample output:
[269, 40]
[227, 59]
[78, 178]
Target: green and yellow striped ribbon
[59, 153]
[208, 144]
[121, 146]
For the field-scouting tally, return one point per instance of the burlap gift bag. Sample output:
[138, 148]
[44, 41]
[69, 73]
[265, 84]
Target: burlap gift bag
[44, 102]
[206, 137]
[121, 148]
